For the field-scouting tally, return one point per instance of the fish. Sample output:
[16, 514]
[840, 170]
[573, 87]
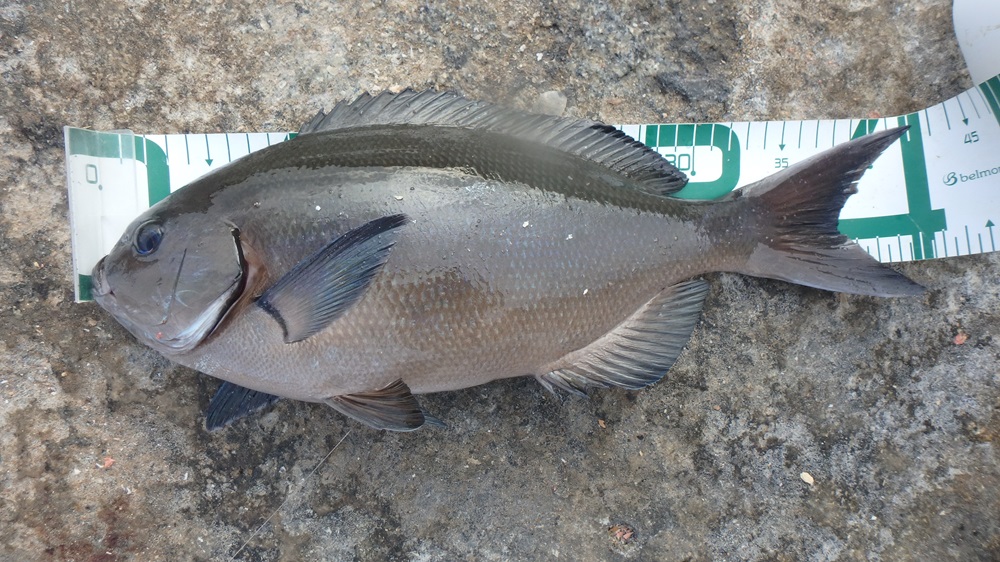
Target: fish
[416, 242]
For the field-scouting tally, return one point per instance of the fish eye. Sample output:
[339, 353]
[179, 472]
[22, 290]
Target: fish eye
[147, 238]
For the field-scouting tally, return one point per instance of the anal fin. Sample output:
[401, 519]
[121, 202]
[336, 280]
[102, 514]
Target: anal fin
[640, 350]
[232, 402]
[392, 408]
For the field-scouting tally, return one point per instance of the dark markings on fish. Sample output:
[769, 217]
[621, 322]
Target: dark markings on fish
[640, 350]
[233, 402]
[392, 407]
[321, 287]
[173, 289]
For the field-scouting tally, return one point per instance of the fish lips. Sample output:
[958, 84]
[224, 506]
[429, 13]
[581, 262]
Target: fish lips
[165, 336]
[99, 282]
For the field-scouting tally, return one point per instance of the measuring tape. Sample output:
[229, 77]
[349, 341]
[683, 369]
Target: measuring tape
[935, 193]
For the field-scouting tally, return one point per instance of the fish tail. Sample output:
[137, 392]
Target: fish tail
[796, 213]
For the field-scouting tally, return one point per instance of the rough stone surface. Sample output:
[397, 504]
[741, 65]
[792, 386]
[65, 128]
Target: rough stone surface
[897, 424]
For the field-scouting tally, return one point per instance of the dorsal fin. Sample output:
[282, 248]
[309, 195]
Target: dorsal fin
[593, 141]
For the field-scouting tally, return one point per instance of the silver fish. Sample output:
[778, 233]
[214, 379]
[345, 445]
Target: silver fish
[421, 242]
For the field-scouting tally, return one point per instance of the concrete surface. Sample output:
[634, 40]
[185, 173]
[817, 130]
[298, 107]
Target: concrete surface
[102, 452]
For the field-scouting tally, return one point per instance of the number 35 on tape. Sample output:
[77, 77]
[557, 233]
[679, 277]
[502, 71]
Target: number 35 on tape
[935, 193]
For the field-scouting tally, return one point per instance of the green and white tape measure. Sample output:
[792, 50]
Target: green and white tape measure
[936, 193]
[933, 194]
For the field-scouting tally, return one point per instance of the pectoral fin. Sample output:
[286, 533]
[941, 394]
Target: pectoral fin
[640, 350]
[392, 407]
[321, 287]
[232, 402]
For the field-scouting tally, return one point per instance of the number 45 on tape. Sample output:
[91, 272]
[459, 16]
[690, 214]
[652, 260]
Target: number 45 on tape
[935, 193]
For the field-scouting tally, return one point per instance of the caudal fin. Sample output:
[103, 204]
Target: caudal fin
[798, 210]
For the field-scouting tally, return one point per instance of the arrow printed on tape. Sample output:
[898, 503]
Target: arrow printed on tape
[932, 194]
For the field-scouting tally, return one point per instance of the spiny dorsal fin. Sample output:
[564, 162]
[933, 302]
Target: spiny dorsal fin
[640, 350]
[599, 143]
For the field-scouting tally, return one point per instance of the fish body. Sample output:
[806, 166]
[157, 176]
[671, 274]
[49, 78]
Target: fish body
[420, 242]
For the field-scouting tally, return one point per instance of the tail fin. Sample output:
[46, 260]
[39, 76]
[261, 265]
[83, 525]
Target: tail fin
[798, 210]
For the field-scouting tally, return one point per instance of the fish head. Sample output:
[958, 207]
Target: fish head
[171, 278]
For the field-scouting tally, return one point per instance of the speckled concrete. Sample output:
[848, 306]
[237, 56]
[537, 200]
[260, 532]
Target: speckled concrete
[896, 424]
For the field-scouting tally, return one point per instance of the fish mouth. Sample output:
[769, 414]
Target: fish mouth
[99, 287]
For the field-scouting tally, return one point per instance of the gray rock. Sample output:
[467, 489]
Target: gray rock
[552, 102]
[896, 423]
